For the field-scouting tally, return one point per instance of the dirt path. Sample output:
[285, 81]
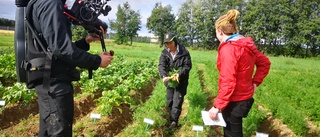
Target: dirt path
[12, 114]
[274, 127]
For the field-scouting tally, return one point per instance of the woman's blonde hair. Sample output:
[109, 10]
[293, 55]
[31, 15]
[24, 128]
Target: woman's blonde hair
[227, 22]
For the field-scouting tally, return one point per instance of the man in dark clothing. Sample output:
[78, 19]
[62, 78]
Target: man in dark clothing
[175, 57]
[56, 106]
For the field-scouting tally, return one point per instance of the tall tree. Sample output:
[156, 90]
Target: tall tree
[134, 25]
[308, 25]
[261, 21]
[161, 21]
[184, 25]
[126, 25]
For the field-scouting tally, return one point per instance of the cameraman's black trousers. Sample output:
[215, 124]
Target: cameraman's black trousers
[175, 99]
[56, 109]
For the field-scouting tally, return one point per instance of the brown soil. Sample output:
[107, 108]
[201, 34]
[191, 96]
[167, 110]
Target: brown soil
[12, 114]
[275, 127]
[30, 127]
[314, 130]
[119, 118]
[14, 125]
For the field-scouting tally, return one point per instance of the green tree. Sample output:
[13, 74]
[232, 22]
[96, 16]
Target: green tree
[186, 24]
[134, 25]
[126, 25]
[308, 26]
[6, 22]
[262, 22]
[196, 19]
[161, 21]
[283, 27]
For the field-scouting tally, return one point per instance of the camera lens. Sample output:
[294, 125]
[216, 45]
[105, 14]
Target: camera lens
[99, 23]
[106, 10]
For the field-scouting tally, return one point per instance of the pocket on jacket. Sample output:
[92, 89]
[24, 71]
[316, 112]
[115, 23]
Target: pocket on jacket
[243, 108]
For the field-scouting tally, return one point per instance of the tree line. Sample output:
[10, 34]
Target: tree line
[6, 22]
[279, 27]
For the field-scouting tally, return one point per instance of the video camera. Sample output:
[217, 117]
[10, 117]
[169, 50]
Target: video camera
[83, 12]
[86, 12]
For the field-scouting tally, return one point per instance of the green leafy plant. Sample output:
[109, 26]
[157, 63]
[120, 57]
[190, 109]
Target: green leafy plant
[18, 93]
[174, 78]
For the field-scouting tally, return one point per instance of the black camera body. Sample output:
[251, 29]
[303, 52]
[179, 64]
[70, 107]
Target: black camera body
[86, 12]
[83, 12]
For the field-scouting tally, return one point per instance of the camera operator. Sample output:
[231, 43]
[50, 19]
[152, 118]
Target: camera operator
[56, 106]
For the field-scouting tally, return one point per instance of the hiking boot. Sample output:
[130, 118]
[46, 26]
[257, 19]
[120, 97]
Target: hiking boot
[173, 125]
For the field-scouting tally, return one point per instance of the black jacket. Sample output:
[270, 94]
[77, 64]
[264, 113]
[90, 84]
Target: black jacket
[182, 59]
[49, 20]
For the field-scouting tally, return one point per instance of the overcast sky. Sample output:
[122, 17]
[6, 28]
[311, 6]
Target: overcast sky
[145, 7]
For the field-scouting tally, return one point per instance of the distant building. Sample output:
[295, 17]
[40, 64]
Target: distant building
[154, 40]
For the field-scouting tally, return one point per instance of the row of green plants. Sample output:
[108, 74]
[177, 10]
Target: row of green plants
[196, 101]
[123, 92]
[121, 77]
[155, 109]
[7, 68]
[136, 75]
[104, 79]
[291, 92]
[12, 91]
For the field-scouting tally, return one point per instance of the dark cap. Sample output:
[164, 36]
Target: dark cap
[168, 37]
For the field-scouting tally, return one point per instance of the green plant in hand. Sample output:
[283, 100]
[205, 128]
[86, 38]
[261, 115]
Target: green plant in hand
[174, 78]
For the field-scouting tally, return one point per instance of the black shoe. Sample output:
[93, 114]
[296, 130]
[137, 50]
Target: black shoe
[173, 125]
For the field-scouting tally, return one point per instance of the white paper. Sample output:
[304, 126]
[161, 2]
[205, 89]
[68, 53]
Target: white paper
[149, 121]
[93, 115]
[197, 128]
[258, 134]
[208, 121]
[2, 103]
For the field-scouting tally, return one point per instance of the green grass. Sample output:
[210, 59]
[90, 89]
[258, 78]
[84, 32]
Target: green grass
[291, 91]
[7, 40]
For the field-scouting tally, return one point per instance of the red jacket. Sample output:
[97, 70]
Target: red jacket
[236, 61]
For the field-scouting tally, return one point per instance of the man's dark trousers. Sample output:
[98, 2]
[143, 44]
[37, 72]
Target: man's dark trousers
[175, 99]
[56, 109]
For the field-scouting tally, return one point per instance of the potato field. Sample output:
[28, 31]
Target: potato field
[120, 97]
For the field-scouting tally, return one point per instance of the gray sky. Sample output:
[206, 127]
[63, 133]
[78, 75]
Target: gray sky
[145, 7]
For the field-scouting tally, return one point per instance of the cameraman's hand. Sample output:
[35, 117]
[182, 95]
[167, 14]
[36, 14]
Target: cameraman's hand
[105, 59]
[94, 37]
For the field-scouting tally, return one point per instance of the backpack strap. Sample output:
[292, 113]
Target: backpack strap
[39, 38]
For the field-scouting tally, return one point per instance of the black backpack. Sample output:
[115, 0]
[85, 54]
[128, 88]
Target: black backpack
[33, 59]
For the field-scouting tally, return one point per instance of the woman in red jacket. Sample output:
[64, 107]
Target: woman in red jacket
[237, 57]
